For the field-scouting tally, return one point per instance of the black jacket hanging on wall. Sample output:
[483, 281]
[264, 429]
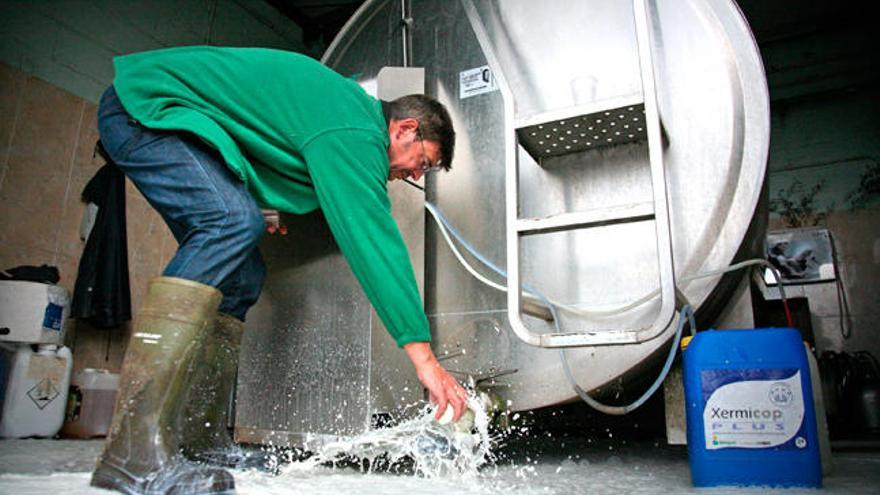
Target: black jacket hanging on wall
[101, 295]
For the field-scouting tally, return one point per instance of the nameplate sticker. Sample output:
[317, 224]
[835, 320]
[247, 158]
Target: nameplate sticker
[473, 82]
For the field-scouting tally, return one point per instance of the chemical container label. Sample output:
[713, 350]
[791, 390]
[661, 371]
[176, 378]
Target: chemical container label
[43, 393]
[47, 372]
[753, 408]
[52, 317]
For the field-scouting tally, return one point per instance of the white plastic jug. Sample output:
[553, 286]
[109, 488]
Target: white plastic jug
[36, 393]
[90, 404]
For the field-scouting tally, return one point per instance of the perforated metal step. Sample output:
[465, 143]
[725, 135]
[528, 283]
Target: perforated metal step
[554, 135]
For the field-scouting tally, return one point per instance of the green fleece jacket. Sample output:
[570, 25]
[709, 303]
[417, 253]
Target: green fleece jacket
[301, 137]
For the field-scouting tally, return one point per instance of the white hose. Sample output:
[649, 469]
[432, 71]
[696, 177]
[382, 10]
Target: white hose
[686, 313]
[442, 225]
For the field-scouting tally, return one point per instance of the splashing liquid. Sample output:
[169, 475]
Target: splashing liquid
[420, 445]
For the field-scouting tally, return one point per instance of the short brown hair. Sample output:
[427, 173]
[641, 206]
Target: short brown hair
[434, 122]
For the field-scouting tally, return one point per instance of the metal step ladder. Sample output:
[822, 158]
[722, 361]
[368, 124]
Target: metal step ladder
[577, 129]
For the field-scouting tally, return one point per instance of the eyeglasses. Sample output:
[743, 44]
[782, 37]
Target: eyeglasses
[426, 165]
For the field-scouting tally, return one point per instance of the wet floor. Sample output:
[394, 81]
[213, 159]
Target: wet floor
[565, 450]
[527, 466]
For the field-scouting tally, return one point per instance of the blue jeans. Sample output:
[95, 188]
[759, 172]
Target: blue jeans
[216, 222]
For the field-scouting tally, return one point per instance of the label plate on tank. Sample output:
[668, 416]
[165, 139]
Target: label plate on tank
[476, 81]
[753, 408]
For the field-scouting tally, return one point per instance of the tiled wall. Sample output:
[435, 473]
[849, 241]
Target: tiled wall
[47, 137]
[47, 134]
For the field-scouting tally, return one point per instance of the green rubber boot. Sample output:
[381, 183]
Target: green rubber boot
[142, 451]
[208, 397]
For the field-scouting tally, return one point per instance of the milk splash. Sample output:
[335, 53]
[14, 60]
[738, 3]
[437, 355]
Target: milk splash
[419, 444]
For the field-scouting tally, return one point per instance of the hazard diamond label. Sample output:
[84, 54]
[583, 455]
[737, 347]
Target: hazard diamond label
[43, 393]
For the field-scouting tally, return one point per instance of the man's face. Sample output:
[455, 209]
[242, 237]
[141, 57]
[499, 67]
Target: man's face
[408, 155]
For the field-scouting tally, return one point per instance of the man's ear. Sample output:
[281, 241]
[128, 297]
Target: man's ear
[406, 126]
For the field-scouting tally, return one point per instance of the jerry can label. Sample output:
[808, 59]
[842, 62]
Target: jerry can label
[47, 372]
[52, 317]
[753, 408]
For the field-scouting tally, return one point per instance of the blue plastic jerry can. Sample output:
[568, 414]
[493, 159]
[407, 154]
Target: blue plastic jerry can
[749, 406]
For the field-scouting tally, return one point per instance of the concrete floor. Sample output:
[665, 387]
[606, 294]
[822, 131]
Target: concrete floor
[547, 466]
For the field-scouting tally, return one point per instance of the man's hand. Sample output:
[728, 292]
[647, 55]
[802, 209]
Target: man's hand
[443, 389]
[273, 222]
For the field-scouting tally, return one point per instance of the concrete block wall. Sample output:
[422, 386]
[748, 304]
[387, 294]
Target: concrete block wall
[831, 138]
[824, 81]
[828, 138]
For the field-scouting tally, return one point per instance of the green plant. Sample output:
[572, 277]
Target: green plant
[796, 205]
[868, 188]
